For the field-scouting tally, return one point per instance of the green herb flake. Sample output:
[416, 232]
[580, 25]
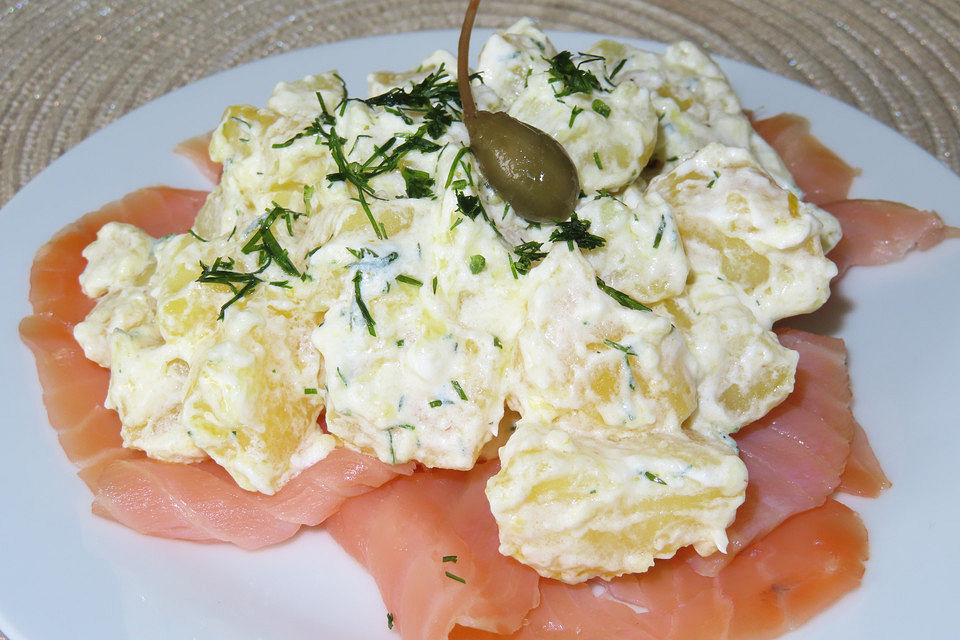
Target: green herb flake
[673, 158]
[617, 68]
[527, 254]
[453, 166]
[409, 280]
[652, 477]
[601, 107]
[221, 272]
[449, 558]
[623, 299]
[456, 387]
[470, 206]
[390, 620]
[660, 228]
[418, 183]
[573, 115]
[194, 234]
[435, 403]
[307, 196]
[571, 77]
[576, 231]
[434, 284]
[497, 343]
[596, 160]
[309, 391]
[357, 277]
[400, 342]
[265, 243]
[616, 345]
[455, 577]
[435, 99]
[477, 264]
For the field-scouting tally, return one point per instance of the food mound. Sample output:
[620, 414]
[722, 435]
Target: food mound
[354, 265]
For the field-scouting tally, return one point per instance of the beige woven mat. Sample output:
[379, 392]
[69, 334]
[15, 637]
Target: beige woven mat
[69, 68]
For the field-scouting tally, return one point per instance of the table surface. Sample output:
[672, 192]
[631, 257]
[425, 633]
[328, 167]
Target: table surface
[70, 68]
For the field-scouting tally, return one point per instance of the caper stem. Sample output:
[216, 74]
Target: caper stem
[463, 58]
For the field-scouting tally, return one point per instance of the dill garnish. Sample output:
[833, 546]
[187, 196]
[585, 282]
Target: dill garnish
[527, 253]
[221, 272]
[616, 345]
[418, 183]
[601, 107]
[653, 477]
[357, 277]
[409, 280]
[576, 230]
[660, 228]
[571, 77]
[623, 299]
[477, 264]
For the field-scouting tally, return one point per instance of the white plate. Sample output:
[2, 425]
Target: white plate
[66, 573]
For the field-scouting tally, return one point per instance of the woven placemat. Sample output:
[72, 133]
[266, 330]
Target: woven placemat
[69, 68]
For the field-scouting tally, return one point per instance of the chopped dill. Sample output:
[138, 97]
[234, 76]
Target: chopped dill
[601, 107]
[660, 228]
[527, 254]
[571, 77]
[617, 68]
[418, 183]
[616, 345]
[653, 477]
[409, 280]
[577, 231]
[623, 299]
[367, 318]
[477, 264]
[455, 577]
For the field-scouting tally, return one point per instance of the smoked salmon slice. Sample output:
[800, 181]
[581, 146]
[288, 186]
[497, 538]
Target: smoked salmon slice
[186, 502]
[775, 585]
[194, 502]
[820, 173]
[197, 151]
[796, 454]
[880, 231]
[863, 475]
[430, 542]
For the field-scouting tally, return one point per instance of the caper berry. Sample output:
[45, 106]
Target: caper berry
[525, 166]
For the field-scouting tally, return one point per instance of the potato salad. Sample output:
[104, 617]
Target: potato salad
[355, 281]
